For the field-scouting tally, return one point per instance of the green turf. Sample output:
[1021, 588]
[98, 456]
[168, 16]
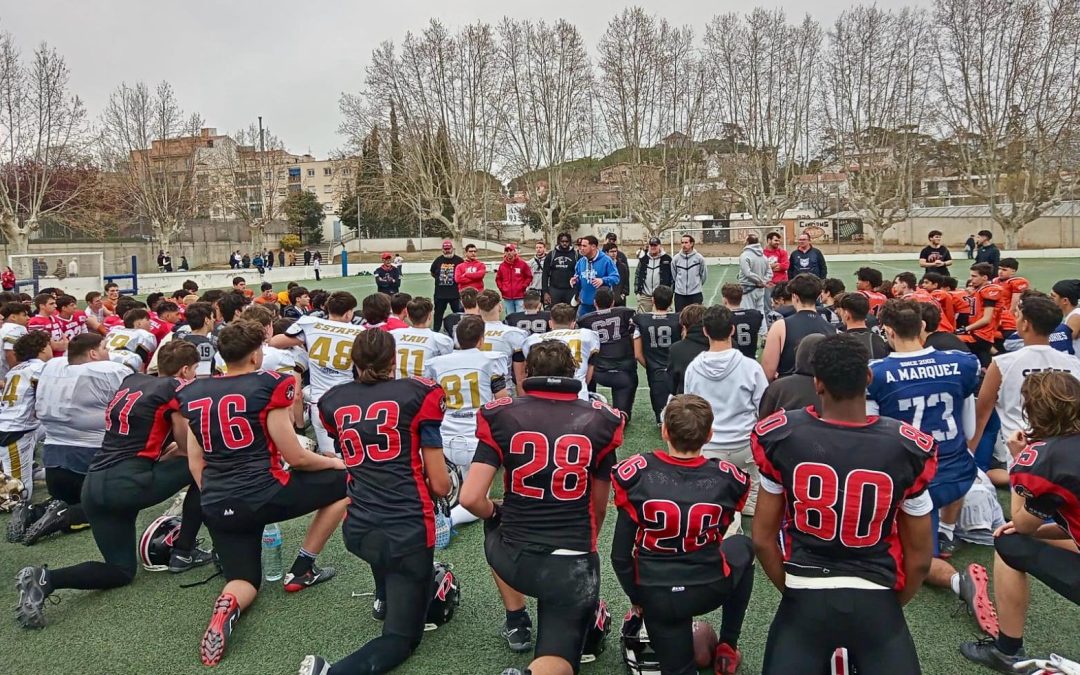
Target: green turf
[153, 626]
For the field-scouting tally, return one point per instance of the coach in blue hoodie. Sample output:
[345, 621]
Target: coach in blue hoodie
[592, 271]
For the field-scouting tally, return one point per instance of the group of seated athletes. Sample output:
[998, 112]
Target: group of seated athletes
[216, 402]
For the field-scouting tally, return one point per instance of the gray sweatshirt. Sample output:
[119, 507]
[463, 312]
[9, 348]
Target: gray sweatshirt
[733, 385]
[754, 271]
[689, 272]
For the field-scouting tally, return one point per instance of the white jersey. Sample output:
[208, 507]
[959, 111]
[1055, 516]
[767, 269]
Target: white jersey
[329, 347]
[132, 347]
[9, 335]
[469, 378]
[1076, 338]
[583, 344]
[71, 400]
[503, 339]
[416, 347]
[278, 360]
[17, 404]
[1014, 367]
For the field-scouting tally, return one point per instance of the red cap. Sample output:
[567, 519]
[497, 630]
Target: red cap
[510, 247]
[386, 256]
[447, 242]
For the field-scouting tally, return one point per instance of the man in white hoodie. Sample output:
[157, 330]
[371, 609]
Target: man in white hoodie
[754, 275]
[733, 385]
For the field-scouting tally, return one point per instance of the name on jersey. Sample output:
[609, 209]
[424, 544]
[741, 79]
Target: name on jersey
[340, 330]
[417, 339]
[920, 372]
[1028, 371]
[1060, 336]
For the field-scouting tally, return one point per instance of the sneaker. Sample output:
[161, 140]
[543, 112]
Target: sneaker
[519, 637]
[975, 594]
[947, 545]
[313, 576]
[182, 561]
[985, 653]
[314, 665]
[378, 610]
[54, 520]
[212, 646]
[726, 659]
[21, 518]
[33, 586]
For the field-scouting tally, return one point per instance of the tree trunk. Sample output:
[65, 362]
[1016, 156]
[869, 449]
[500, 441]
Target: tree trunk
[163, 231]
[879, 237]
[257, 231]
[1012, 235]
[18, 235]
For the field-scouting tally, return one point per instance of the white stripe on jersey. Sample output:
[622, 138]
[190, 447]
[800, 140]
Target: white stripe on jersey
[583, 344]
[466, 377]
[329, 347]
[17, 404]
[416, 347]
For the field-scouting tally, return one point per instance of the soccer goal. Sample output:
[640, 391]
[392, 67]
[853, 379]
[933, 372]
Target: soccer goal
[76, 273]
[719, 240]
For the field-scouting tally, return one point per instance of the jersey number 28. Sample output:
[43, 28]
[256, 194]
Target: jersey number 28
[569, 461]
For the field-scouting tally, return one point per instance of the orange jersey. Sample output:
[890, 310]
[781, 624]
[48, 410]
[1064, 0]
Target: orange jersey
[1010, 287]
[988, 296]
[876, 300]
[921, 295]
[948, 309]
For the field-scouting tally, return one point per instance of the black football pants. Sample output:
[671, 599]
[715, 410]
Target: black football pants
[669, 614]
[112, 499]
[66, 486]
[403, 581]
[1056, 567]
[623, 384]
[659, 390]
[811, 624]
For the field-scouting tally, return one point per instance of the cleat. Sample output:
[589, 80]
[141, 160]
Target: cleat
[21, 518]
[314, 665]
[182, 561]
[947, 546]
[985, 653]
[726, 659]
[313, 576]
[512, 671]
[975, 594]
[519, 638]
[53, 520]
[212, 646]
[378, 610]
[33, 586]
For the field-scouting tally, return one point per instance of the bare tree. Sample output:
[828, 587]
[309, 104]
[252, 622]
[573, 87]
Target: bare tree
[761, 68]
[446, 90]
[875, 96]
[151, 145]
[1009, 83]
[549, 118]
[44, 166]
[651, 93]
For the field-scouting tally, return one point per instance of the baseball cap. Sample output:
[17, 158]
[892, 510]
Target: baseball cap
[447, 243]
[655, 241]
[510, 247]
[386, 256]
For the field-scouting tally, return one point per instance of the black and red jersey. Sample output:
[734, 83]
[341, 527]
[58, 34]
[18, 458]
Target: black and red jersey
[228, 417]
[681, 508]
[843, 484]
[378, 429]
[551, 444]
[1047, 475]
[138, 422]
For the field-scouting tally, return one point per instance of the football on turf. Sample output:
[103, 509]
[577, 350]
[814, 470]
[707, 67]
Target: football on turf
[704, 643]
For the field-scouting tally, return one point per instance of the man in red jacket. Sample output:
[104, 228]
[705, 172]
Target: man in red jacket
[777, 257]
[470, 274]
[512, 279]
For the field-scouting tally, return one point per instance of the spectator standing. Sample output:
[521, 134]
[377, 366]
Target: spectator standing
[281, 257]
[778, 260]
[778, 358]
[688, 272]
[446, 289]
[269, 257]
[184, 266]
[537, 267]
[7, 279]
[73, 267]
[935, 257]
[612, 238]
[969, 246]
[61, 269]
[988, 251]
[592, 271]
[387, 276]
[166, 262]
[398, 260]
[622, 290]
[160, 260]
[470, 274]
[307, 257]
[653, 271]
[806, 259]
[512, 279]
[755, 273]
[558, 271]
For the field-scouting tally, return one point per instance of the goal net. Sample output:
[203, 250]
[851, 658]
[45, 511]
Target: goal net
[722, 240]
[74, 273]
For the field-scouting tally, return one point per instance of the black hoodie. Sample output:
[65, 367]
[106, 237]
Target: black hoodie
[558, 268]
[682, 353]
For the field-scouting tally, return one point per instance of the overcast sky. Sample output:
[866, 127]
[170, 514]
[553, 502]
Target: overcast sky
[290, 61]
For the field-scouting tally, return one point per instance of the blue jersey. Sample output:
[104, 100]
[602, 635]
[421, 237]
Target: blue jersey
[929, 389]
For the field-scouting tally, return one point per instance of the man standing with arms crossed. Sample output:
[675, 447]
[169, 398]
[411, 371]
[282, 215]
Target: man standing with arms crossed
[446, 289]
[653, 271]
[558, 271]
[754, 275]
[688, 272]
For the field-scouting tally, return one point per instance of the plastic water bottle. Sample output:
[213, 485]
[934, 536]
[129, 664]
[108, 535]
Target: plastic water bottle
[271, 553]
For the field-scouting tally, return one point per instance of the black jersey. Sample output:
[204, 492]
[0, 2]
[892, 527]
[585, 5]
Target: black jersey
[450, 322]
[657, 333]
[228, 417]
[747, 327]
[681, 507]
[138, 422]
[843, 485]
[551, 444]
[535, 323]
[617, 330]
[1047, 476]
[377, 429]
[207, 346]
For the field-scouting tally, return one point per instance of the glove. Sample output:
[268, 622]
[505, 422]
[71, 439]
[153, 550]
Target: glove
[962, 330]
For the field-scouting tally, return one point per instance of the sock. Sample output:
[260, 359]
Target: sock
[190, 520]
[517, 618]
[948, 529]
[1009, 645]
[459, 515]
[303, 563]
[954, 583]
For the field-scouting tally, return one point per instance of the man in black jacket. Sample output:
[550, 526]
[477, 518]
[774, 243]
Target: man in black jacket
[446, 288]
[653, 271]
[685, 350]
[611, 249]
[988, 251]
[806, 259]
[558, 269]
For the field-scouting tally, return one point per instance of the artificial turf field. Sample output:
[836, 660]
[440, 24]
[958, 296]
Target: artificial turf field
[153, 626]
